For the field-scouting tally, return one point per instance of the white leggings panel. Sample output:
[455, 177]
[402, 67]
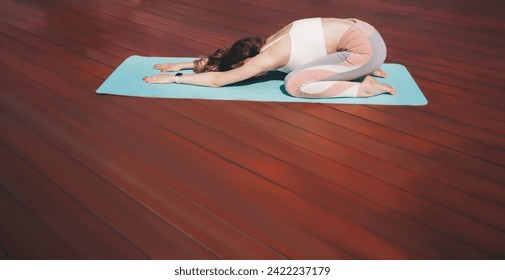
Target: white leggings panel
[316, 88]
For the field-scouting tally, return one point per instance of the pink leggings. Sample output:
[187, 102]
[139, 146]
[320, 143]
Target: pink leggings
[363, 52]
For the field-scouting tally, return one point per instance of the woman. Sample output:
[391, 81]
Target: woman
[322, 56]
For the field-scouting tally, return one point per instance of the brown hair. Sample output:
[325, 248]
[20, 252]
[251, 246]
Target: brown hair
[230, 57]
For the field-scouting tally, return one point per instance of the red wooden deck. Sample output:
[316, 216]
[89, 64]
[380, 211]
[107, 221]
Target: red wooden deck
[85, 176]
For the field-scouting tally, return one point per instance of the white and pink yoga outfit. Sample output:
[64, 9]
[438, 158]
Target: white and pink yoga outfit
[313, 73]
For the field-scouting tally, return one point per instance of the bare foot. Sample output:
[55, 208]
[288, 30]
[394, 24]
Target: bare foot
[379, 73]
[370, 87]
[159, 79]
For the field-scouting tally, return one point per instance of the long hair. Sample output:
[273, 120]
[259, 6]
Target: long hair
[230, 57]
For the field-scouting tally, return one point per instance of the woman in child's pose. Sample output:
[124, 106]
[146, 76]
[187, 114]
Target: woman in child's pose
[322, 56]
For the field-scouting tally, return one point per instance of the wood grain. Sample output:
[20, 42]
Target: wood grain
[86, 176]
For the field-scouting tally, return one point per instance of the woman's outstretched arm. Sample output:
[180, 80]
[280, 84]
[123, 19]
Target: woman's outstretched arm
[256, 65]
[173, 67]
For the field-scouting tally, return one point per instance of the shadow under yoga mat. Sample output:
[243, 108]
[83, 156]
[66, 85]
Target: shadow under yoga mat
[127, 80]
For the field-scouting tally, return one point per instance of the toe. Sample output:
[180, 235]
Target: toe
[380, 73]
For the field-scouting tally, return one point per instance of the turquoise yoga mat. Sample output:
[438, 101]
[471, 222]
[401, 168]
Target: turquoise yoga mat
[127, 80]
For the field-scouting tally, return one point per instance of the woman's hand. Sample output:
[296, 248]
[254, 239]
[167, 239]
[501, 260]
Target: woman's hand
[168, 67]
[160, 79]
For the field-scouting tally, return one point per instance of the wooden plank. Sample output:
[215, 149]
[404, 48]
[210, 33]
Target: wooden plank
[143, 31]
[329, 132]
[268, 155]
[219, 179]
[138, 183]
[24, 236]
[114, 207]
[357, 160]
[75, 58]
[132, 220]
[442, 147]
[75, 232]
[83, 19]
[70, 40]
[325, 148]
[219, 200]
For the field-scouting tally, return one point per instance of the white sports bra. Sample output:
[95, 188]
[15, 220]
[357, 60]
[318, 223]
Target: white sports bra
[307, 43]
